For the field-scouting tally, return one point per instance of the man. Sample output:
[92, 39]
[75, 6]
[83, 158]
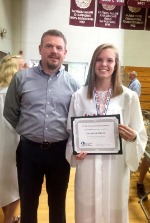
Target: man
[36, 105]
[134, 84]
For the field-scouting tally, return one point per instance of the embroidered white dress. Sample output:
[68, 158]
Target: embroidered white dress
[8, 171]
[102, 181]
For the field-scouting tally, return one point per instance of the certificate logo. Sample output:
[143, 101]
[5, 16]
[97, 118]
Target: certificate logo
[85, 144]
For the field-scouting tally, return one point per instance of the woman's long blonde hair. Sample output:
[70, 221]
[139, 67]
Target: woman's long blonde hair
[9, 65]
[116, 76]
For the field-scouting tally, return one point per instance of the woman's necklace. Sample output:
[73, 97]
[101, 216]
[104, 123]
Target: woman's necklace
[102, 100]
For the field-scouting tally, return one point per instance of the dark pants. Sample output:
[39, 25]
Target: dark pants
[33, 163]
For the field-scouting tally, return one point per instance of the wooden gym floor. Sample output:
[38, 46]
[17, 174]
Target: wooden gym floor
[136, 213]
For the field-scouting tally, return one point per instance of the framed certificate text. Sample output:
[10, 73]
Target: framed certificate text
[96, 134]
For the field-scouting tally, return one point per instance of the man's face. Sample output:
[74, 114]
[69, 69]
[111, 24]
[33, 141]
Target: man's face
[131, 76]
[53, 52]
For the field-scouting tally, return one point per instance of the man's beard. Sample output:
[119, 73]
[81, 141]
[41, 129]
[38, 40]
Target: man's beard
[52, 66]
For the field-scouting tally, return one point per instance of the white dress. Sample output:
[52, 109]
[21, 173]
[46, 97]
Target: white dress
[8, 170]
[102, 181]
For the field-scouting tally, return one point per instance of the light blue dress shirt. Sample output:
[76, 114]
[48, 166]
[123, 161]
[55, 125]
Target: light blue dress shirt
[135, 85]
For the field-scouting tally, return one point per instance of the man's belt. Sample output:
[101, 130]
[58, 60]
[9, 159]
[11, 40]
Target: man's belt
[43, 145]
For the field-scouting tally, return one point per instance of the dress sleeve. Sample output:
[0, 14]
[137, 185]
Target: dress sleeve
[135, 150]
[74, 111]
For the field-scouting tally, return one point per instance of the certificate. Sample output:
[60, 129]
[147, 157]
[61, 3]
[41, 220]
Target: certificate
[96, 134]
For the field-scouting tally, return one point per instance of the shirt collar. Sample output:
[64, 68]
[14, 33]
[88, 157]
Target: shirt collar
[62, 67]
[133, 79]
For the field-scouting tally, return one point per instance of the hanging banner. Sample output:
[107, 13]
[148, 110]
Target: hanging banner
[107, 16]
[139, 3]
[112, 2]
[133, 18]
[148, 20]
[82, 12]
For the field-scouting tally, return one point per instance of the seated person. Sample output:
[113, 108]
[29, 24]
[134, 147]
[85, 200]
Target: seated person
[143, 169]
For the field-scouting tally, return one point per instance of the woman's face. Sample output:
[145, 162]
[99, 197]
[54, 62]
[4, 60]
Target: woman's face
[105, 64]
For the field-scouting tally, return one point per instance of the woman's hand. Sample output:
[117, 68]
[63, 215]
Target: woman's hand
[127, 133]
[80, 156]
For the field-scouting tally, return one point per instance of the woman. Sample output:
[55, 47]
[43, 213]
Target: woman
[9, 196]
[102, 181]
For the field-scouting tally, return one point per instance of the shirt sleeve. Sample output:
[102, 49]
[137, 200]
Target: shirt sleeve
[12, 103]
[136, 86]
[137, 89]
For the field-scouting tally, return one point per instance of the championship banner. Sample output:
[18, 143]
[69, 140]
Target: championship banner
[112, 2]
[139, 3]
[133, 18]
[82, 12]
[107, 16]
[148, 20]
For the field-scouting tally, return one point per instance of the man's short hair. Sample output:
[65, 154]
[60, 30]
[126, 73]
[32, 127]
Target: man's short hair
[134, 72]
[54, 32]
